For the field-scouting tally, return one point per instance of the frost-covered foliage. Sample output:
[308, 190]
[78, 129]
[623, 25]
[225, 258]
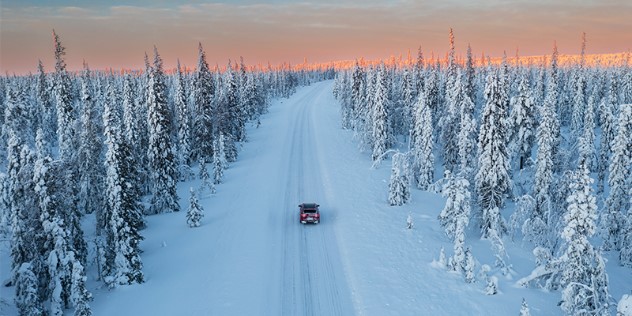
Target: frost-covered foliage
[619, 172]
[522, 123]
[399, 186]
[162, 161]
[183, 127]
[456, 212]
[583, 276]
[123, 212]
[421, 144]
[492, 178]
[380, 129]
[195, 211]
[26, 292]
[524, 308]
[220, 163]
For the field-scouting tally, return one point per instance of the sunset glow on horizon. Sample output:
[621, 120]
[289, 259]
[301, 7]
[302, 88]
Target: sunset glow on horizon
[118, 34]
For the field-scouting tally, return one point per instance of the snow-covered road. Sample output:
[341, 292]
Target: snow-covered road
[251, 256]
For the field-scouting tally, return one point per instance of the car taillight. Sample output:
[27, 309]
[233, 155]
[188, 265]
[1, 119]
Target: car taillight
[303, 215]
[316, 215]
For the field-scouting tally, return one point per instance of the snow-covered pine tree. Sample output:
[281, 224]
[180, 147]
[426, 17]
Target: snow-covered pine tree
[219, 159]
[27, 299]
[162, 161]
[122, 214]
[203, 97]
[450, 120]
[524, 308]
[466, 137]
[457, 205]
[90, 150]
[231, 119]
[79, 295]
[470, 265]
[380, 130]
[66, 112]
[470, 75]
[625, 256]
[398, 188]
[134, 137]
[422, 142]
[455, 217]
[617, 202]
[578, 256]
[183, 127]
[195, 211]
[522, 122]
[586, 144]
[545, 136]
[46, 105]
[26, 239]
[608, 129]
[492, 178]
[579, 103]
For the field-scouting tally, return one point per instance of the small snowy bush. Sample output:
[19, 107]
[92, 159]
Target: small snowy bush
[195, 212]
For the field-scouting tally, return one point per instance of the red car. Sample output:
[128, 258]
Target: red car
[309, 213]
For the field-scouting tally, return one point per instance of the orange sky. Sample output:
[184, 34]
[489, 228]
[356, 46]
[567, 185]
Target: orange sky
[117, 34]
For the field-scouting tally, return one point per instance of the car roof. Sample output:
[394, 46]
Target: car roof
[310, 205]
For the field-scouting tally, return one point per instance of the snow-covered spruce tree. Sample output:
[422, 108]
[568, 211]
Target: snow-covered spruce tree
[79, 295]
[408, 102]
[544, 161]
[618, 199]
[90, 151]
[380, 129]
[586, 143]
[470, 265]
[579, 103]
[16, 114]
[122, 253]
[398, 188]
[58, 245]
[26, 232]
[625, 256]
[422, 142]
[492, 178]
[183, 127]
[455, 217]
[466, 138]
[203, 97]
[349, 110]
[579, 258]
[457, 205]
[522, 122]
[231, 119]
[195, 211]
[66, 112]
[45, 103]
[162, 161]
[607, 121]
[134, 137]
[524, 308]
[219, 159]
[449, 121]
[27, 299]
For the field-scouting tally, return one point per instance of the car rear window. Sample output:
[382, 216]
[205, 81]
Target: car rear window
[310, 211]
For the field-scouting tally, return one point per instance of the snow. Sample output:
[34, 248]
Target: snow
[251, 256]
